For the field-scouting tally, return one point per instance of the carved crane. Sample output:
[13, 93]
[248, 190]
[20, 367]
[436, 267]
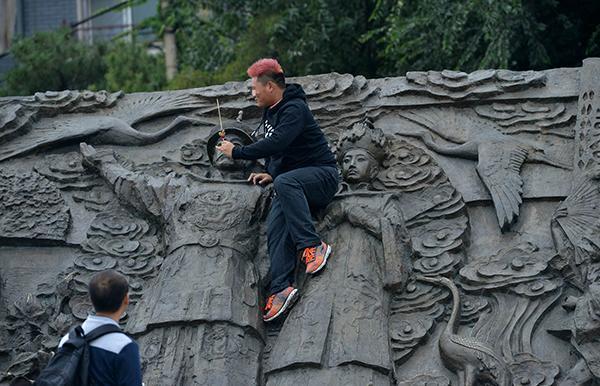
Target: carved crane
[575, 228]
[28, 125]
[470, 359]
[499, 156]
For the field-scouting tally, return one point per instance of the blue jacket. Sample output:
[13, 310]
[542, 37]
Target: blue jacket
[293, 139]
[114, 357]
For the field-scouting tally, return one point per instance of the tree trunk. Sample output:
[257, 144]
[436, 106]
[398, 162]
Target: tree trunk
[8, 14]
[170, 46]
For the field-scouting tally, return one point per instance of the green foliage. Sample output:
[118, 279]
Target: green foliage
[206, 33]
[218, 39]
[130, 68]
[322, 36]
[380, 37]
[53, 61]
[308, 37]
[190, 78]
[471, 34]
[57, 61]
[593, 46]
[455, 34]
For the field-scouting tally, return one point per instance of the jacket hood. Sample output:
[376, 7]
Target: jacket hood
[293, 91]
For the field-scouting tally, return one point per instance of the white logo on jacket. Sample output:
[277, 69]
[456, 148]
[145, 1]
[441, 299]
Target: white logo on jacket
[269, 129]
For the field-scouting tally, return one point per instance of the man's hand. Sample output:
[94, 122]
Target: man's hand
[226, 148]
[260, 178]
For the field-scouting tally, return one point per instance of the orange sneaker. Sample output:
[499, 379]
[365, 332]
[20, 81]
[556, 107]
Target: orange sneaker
[278, 303]
[315, 258]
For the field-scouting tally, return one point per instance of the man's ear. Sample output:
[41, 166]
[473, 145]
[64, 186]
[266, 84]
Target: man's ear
[126, 299]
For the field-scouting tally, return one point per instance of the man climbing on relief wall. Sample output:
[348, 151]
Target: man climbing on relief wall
[304, 174]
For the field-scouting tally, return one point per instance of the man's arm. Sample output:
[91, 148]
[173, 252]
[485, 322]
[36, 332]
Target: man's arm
[142, 192]
[290, 125]
[128, 366]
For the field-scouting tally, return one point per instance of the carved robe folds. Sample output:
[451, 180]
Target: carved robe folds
[199, 320]
[341, 323]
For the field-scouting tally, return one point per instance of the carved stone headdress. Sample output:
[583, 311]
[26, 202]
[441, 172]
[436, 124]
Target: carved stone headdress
[365, 136]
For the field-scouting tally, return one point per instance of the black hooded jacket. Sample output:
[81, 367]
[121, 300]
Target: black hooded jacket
[293, 139]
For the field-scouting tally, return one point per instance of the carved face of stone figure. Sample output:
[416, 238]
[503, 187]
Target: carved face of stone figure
[358, 166]
[221, 161]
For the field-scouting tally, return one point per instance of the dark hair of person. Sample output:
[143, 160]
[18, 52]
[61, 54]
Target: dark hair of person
[276, 77]
[107, 290]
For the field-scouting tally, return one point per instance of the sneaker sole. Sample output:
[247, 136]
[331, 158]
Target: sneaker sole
[288, 303]
[320, 267]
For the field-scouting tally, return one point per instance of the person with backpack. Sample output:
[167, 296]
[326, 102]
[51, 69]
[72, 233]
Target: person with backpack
[98, 352]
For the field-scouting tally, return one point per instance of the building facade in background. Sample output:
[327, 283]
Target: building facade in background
[22, 18]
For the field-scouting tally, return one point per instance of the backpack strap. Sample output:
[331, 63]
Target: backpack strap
[101, 331]
[76, 331]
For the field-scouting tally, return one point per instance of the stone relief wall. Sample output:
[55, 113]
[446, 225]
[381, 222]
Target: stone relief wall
[469, 255]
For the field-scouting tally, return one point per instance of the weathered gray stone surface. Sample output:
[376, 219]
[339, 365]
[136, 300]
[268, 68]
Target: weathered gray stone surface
[466, 232]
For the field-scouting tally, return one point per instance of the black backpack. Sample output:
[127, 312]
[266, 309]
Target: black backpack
[69, 367]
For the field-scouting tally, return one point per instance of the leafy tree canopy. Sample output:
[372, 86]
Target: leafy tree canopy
[380, 37]
[218, 39]
[58, 61]
[53, 61]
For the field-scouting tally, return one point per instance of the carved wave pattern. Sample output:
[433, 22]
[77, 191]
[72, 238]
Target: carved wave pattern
[521, 287]
[116, 239]
[531, 117]
[435, 216]
[520, 269]
[529, 370]
[412, 316]
[67, 172]
[434, 209]
[32, 208]
[456, 85]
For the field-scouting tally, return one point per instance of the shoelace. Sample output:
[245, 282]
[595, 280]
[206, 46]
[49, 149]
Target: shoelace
[269, 302]
[309, 255]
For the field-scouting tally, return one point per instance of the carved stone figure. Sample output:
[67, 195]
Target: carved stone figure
[390, 192]
[341, 325]
[199, 320]
[460, 176]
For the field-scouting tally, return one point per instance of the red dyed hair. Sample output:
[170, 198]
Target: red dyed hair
[264, 66]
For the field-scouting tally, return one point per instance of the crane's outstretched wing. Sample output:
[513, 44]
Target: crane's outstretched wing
[452, 124]
[499, 168]
[54, 132]
[18, 136]
[134, 108]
